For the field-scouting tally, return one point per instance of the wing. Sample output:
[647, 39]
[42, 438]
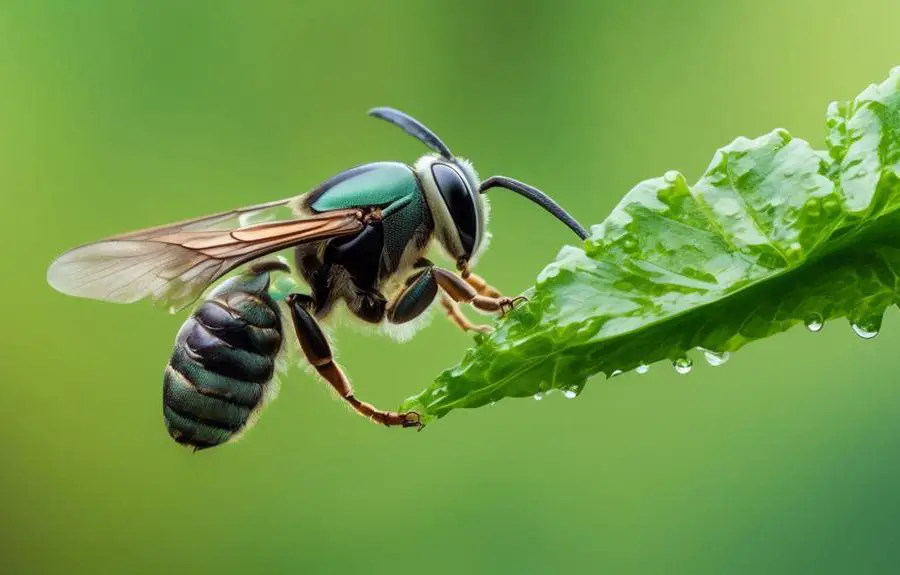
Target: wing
[175, 263]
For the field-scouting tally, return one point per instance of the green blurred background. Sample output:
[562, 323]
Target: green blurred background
[119, 115]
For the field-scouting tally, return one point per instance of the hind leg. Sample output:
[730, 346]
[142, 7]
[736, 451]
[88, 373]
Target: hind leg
[318, 353]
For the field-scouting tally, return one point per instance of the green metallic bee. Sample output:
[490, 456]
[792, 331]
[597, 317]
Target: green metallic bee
[359, 238]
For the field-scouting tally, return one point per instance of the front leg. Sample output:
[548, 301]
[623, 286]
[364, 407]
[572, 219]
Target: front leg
[461, 291]
[318, 353]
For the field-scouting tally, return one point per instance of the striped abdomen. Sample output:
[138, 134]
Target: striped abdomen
[223, 364]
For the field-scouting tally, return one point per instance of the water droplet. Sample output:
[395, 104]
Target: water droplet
[727, 207]
[538, 396]
[814, 323]
[615, 373]
[642, 369]
[683, 365]
[629, 245]
[794, 252]
[570, 393]
[831, 206]
[716, 359]
[865, 331]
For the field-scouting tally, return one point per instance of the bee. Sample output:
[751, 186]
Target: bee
[360, 238]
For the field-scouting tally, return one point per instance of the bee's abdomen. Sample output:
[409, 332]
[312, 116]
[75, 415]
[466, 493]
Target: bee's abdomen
[223, 361]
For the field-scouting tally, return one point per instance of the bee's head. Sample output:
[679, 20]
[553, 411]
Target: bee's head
[455, 195]
[458, 210]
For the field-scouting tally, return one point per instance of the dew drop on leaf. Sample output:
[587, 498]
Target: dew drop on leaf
[683, 365]
[642, 369]
[814, 323]
[716, 359]
[727, 207]
[865, 331]
[538, 396]
[831, 206]
[615, 373]
[794, 252]
[569, 393]
[812, 207]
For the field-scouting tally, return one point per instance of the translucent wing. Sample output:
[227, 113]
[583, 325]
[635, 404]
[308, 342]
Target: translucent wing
[175, 263]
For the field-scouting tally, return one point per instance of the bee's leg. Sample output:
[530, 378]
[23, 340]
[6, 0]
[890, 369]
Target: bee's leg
[421, 289]
[460, 290]
[317, 275]
[481, 286]
[367, 305]
[318, 353]
[456, 316]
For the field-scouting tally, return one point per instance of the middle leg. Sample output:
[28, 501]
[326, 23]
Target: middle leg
[459, 318]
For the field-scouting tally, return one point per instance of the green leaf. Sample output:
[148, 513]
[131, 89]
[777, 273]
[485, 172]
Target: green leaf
[774, 234]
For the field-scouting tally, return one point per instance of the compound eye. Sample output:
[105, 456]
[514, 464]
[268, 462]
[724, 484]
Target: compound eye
[460, 203]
